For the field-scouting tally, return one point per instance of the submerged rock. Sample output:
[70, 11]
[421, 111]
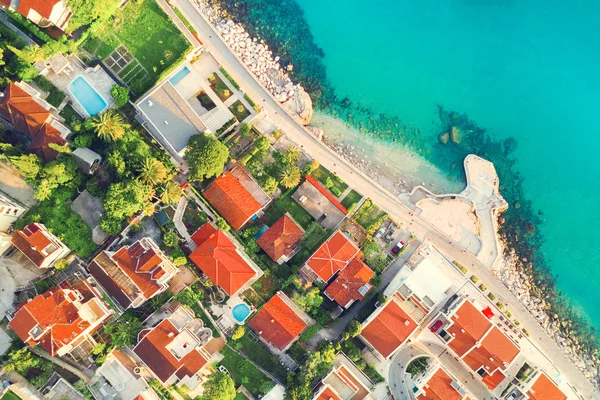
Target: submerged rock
[444, 137]
[455, 135]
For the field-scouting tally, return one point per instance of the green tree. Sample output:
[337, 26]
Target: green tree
[269, 184]
[120, 94]
[170, 239]
[85, 12]
[83, 140]
[205, 156]
[219, 386]
[109, 126]
[21, 361]
[30, 165]
[245, 129]
[125, 331]
[116, 164]
[111, 225]
[262, 144]
[354, 328]
[239, 332]
[291, 155]
[310, 300]
[153, 171]
[2, 62]
[290, 176]
[61, 172]
[124, 199]
[170, 193]
[61, 265]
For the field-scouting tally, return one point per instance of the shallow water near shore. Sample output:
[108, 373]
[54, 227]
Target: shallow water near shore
[526, 69]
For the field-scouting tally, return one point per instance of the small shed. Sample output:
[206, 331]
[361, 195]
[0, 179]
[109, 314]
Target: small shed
[87, 160]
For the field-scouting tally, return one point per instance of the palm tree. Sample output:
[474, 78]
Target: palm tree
[171, 193]
[292, 154]
[290, 176]
[153, 171]
[126, 331]
[109, 126]
[32, 54]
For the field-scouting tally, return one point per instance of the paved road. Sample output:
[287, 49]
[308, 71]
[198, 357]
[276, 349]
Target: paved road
[421, 229]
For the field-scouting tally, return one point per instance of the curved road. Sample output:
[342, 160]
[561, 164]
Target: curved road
[363, 184]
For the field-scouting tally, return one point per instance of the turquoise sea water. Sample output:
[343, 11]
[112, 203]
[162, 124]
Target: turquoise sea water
[529, 69]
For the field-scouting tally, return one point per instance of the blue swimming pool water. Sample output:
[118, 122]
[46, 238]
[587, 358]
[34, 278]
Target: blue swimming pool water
[175, 79]
[240, 312]
[87, 96]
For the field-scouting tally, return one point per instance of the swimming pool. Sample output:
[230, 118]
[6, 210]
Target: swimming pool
[87, 96]
[175, 79]
[240, 312]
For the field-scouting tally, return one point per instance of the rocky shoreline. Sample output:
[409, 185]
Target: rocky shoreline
[265, 66]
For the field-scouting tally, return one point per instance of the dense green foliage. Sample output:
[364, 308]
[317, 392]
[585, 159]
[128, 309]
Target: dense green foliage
[205, 156]
[120, 94]
[219, 386]
[124, 332]
[87, 11]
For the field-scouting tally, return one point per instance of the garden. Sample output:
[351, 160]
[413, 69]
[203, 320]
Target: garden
[205, 100]
[219, 87]
[239, 111]
[331, 181]
[285, 204]
[370, 217]
[148, 35]
[351, 200]
[245, 373]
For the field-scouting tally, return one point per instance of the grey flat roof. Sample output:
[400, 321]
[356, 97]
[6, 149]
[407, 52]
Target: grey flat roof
[171, 116]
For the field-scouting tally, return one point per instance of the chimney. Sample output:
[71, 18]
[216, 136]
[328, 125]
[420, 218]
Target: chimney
[407, 322]
[171, 334]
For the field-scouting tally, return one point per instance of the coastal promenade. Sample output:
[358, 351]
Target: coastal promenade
[393, 206]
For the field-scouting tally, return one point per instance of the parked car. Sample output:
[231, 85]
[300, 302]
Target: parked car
[437, 325]
[380, 233]
[391, 232]
[396, 249]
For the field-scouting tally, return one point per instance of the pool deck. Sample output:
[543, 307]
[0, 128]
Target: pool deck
[96, 77]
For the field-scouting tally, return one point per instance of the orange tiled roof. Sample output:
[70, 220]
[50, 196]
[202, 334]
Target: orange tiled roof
[281, 238]
[332, 256]
[439, 387]
[469, 327]
[277, 322]
[22, 111]
[327, 393]
[42, 7]
[231, 199]
[345, 288]
[32, 240]
[218, 258]
[40, 144]
[55, 315]
[492, 381]
[389, 329]
[544, 389]
[153, 352]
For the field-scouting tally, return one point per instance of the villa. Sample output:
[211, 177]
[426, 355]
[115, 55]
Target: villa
[388, 328]
[344, 382]
[535, 385]
[43, 13]
[437, 383]
[120, 377]
[282, 240]
[232, 200]
[479, 343]
[40, 247]
[10, 211]
[175, 349]
[222, 261]
[23, 107]
[62, 319]
[323, 206]
[352, 284]
[133, 274]
[279, 322]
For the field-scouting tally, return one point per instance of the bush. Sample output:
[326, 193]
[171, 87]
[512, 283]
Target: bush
[84, 140]
[309, 333]
[461, 267]
[170, 239]
[474, 279]
[120, 94]
[239, 332]
[500, 305]
[482, 287]
[491, 296]
[61, 265]
[508, 314]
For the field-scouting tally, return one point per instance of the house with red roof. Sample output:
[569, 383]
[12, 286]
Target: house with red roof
[177, 348]
[221, 260]
[40, 246]
[232, 200]
[24, 109]
[388, 328]
[535, 384]
[436, 383]
[320, 203]
[133, 274]
[282, 240]
[344, 382]
[43, 13]
[61, 319]
[478, 342]
[351, 284]
[279, 322]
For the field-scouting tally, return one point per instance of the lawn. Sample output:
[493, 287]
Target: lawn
[257, 352]
[149, 35]
[219, 87]
[331, 181]
[239, 111]
[266, 286]
[253, 298]
[286, 204]
[351, 199]
[369, 216]
[244, 372]
[69, 114]
[10, 396]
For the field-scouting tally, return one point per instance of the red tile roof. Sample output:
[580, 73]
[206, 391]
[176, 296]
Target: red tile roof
[40, 144]
[345, 288]
[327, 194]
[153, 352]
[389, 329]
[56, 316]
[32, 240]
[332, 256]
[141, 262]
[218, 258]
[544, 389]
[281, 238]
[231, 199]
[277, 323]
[492, 381]
[18, 107]
[327, 393]
[43, 7]
[439, 387]
[469, 319]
